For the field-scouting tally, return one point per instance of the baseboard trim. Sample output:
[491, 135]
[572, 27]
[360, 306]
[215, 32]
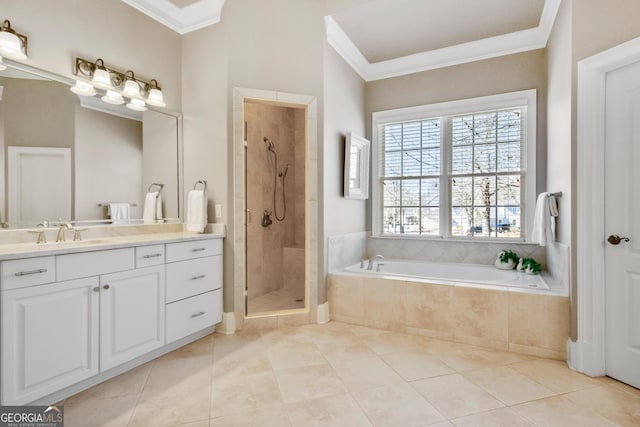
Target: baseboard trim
[228, 325]
[323, 313]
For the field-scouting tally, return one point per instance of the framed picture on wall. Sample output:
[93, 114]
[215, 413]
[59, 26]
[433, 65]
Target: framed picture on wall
[356, 167]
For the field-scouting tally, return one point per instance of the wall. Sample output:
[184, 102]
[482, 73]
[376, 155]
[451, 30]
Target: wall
[344, 94]
[126, 39]
[108, 163]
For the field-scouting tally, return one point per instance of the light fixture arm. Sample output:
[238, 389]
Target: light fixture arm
[6, 27]
[85, 68]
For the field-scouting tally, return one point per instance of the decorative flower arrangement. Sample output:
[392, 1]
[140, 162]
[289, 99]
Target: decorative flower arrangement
[531, 266]
[506, 260]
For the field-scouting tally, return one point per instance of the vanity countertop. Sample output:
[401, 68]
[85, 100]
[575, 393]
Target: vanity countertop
[29, 250]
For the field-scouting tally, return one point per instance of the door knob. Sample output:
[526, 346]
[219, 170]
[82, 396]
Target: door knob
[614, 239]
[105, 287]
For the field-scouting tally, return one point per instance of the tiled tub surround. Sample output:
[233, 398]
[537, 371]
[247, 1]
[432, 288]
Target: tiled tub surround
[534, 323]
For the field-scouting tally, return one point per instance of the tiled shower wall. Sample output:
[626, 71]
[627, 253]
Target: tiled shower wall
[265, 245]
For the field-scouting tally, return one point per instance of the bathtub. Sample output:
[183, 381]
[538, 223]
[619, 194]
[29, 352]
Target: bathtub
[452, 274]
[466, 303]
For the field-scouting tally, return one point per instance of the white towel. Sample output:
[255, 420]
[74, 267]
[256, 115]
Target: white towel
[542, 230]
[152, 207]
[197, 211]
[553, 212]
[120, 213]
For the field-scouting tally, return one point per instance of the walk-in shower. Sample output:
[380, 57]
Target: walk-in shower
[275, 194]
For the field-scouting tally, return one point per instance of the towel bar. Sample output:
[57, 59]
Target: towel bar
[155, 185]
[200, 181]
[105, 205]
[558, 194]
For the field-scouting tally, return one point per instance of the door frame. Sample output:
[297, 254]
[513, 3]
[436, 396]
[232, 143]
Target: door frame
[309, 103]
[587, 353]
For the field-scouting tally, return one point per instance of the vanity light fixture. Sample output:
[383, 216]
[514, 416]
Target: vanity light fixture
[117, 85]
[113, 97]
[155, 97]
[12, 45]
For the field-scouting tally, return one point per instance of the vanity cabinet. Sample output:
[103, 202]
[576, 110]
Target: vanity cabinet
[49, 338]
[70, 317]
[132, 315]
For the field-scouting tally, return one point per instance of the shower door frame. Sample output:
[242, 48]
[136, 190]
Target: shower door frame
[282, 99]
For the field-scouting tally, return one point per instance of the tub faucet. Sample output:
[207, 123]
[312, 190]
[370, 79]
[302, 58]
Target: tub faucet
[63, 226]
[373, 260]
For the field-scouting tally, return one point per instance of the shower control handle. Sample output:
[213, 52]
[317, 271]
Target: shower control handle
[614, 239]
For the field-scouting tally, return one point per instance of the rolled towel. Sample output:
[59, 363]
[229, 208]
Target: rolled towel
[197, 211]
[152, 207]
[120, 213]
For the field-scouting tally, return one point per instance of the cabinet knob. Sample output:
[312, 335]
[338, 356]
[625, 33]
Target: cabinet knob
[105, 287]
[198, 314]
[96, 289]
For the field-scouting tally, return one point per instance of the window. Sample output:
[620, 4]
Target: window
[457, 169]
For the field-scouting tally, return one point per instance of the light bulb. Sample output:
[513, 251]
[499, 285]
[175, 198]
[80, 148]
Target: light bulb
[155, 98]
[131, 89]
[11, 46]
[101, 79]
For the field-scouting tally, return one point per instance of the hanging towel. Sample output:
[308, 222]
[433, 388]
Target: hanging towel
[553, 214]
[542, 232]
[197, 211]
[152, 207]
[120, 213]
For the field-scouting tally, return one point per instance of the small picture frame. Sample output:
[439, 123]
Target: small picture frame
[356, 167]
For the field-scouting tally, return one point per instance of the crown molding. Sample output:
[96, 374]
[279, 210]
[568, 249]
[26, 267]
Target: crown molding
[492, 47]
[181, 20]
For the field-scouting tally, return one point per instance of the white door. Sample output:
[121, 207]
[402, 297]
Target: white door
[132, 314]
[39, 184]
[49, 338]
[622, 221]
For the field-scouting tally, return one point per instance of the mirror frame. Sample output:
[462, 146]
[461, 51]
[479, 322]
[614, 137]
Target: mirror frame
[179, 136]
[361, 160]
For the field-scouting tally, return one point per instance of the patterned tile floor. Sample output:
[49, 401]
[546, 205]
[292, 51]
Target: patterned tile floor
[343, 375]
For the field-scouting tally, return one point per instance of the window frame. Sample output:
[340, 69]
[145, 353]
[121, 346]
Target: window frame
[525, 99]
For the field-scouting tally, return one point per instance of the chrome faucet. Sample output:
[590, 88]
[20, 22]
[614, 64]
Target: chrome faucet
[373, 260]
[63, 226]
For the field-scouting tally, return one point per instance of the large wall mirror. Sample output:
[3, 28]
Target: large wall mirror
[71, 158]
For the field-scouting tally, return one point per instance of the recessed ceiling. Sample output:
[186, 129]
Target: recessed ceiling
[182, 16]
[388, 29]
[387, 38]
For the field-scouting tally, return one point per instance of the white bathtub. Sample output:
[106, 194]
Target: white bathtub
[452, 274]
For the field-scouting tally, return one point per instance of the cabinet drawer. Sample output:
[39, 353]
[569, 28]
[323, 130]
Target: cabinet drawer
[193, 277]
[193, 249]
[193, 314]
[21, 273]
[75, 266]
[146, 256]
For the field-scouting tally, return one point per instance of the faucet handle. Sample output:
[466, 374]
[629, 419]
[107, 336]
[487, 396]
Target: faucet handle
[42, 238]
[76, 233]
[378, 265]
[362, 261]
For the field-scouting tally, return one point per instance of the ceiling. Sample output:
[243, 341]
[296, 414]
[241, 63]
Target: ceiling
[388, 38]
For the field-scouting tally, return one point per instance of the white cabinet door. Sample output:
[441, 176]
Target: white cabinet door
[131, 314]
[49, 338]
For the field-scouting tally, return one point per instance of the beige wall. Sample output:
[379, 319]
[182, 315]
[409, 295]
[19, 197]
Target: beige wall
[108, 163]
[126, 39]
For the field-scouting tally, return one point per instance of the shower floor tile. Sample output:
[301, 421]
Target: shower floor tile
[281, 299]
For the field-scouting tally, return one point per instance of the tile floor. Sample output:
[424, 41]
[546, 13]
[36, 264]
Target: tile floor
[343, 375]
[281, 299]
